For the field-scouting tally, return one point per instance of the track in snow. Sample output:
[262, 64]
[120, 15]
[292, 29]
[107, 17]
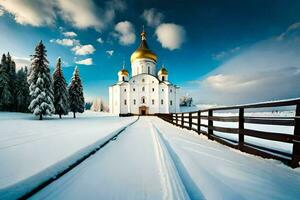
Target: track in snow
[75, 164]
[136, 166]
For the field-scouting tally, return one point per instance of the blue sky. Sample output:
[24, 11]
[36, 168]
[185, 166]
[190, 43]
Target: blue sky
[220, 52]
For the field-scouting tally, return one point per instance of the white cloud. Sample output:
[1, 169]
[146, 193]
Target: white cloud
[100, 40]
[88, 61]
[69, 34]
[80, 14]
[22, 62]
[84, 49]
[1, 11]
[152, 17]
[65, 42]
[225, 54]
[125, 33]
[110, 52]
[292, 30]
[29, 12]
[268, 70]
[171, 36]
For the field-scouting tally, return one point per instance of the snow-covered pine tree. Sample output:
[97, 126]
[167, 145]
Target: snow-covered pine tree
[40, 83]
[60, 91]
[22, 91]
[76, 98]
[5, 94]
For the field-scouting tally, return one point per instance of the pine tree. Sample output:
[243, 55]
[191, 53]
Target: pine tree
[6, 96]
[40, 83]
[22, 91]
[76, 98]
[60, 91]
[11, 70]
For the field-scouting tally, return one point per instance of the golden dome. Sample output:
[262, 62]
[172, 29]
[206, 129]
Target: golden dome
[143, 51]
[123, 72]
[163, 71]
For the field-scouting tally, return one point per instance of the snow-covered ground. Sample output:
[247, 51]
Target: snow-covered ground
[151, 159]
[32, 151]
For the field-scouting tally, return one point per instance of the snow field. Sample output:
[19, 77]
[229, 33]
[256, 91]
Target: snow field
[210, 170]
[32, 151]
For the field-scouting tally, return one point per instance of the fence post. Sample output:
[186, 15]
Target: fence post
[296, 145]
[182, 123]
[210, 125]
[241, 128]
[199, 122]
[190, 121]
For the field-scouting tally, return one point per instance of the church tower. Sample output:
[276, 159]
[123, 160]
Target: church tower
[143, 60]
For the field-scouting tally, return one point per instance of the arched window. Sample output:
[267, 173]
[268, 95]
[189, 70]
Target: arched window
[125, 102]
[133, 89]
[134, 101]
[143, 80]
[171, 102]
[152, 101]
[123, 78]
[143, 89]
[148, 70]
[161, 102]
[143, 100]
[163, 78]
[152, 89]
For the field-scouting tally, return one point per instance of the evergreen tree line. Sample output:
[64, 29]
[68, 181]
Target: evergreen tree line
[36, 91]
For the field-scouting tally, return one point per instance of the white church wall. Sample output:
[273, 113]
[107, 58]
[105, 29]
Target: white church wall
[143, 66]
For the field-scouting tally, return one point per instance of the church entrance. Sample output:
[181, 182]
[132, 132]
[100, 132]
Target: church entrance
[143, 110]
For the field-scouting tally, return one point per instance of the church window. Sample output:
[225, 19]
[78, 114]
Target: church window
[163, 78]
[133, 89]
[171, 90]
[152, 101]
[124, 90]
[143, 89]
[134, 101]
[162, 90]
[123, 78]
[152, 81]
[162, 102]
[152, 89]
[148, 70]
[125, 102]
[143, 99]
[171, 102]
[143, 80]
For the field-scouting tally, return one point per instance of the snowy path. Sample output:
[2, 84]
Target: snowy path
[135, 166]
[210, 170]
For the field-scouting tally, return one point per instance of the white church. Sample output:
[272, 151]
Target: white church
[146, 91]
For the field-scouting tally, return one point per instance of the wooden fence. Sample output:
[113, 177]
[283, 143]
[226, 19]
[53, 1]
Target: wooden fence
[195, 121]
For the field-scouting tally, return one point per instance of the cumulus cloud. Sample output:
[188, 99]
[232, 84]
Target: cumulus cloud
[88, 61]
[110, 52]
[65, 42]
[29, 12]
[125, 33]
[225, 54]
[268, 70]
[80, 14]
[100, 40]
[152, 17]
[171, 36]
[69, 34]
[21, 62]
[83, 49]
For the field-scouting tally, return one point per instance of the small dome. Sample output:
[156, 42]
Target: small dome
[163, 71]
[143, 51]
[123, 72]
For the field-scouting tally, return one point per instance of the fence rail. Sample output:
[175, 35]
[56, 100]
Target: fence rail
[194, 121]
